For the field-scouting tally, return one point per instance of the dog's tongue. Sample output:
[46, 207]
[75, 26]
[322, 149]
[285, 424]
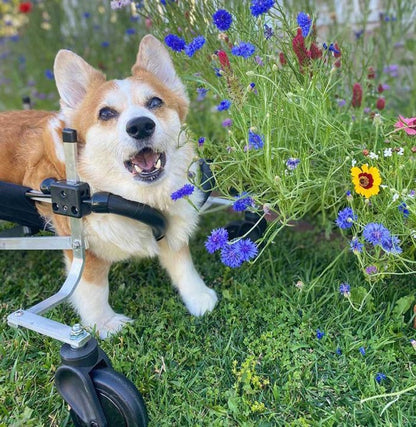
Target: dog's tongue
[146, 159]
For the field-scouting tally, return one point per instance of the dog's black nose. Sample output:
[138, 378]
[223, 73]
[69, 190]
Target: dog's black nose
[140, 127]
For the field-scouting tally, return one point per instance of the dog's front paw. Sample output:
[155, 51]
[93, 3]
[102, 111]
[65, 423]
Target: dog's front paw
[199, 302]
[110, 326]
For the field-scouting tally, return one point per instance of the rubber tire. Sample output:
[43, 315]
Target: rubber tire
[122, 403]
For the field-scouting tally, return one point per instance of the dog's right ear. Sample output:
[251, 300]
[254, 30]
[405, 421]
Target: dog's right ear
[73, 76]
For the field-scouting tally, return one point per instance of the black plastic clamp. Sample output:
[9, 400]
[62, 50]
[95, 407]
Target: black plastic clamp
[68, 198]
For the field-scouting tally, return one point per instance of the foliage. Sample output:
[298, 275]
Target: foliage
[319, 110]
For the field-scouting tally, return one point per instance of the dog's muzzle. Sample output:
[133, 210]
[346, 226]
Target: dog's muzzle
[146, 164]
[140, 127]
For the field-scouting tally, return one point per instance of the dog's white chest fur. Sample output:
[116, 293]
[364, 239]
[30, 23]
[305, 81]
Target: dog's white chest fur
[116, 238]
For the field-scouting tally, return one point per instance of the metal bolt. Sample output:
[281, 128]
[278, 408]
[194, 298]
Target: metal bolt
[19, 313]
[76, 244]
[76, 331]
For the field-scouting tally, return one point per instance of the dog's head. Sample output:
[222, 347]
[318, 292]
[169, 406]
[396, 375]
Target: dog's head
[129, 130]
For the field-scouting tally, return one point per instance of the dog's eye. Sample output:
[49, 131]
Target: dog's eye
[154, 102]
[107, 113]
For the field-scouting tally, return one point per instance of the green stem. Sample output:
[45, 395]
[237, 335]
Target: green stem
[397, 393]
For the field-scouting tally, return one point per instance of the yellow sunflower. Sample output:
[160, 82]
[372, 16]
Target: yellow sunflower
[366, 180]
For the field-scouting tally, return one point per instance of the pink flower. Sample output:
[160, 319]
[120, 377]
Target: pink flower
[357, 95]
[409, 125]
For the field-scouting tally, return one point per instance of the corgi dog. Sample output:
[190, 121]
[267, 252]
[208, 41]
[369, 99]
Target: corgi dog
[130, 143]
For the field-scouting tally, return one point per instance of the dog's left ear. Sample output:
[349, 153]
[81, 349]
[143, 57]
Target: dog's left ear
[154, 57]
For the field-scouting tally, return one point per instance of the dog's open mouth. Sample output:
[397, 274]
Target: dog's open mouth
[146, 165]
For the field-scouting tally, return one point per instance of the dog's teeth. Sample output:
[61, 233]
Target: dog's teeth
[138, 169]
[158, 164]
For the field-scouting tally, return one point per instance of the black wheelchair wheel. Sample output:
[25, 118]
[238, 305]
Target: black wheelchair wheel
[122, 404]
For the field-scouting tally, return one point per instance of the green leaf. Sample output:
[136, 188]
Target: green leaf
[403, 304]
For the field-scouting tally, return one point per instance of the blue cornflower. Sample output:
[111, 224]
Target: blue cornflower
[86, 15]
[356, 246]
[163, 2]
[292, 163]
[330, 48]
[255, 140]
[130, 31]
[185, 191]
[375, 233]
[338, 351]
[268, 32]
[217, 72]
[175, 43]
[224, 105]
[319, 334]
[304, 22]
[194, 45]
[216, 240]
[259, 7]
[105, 44]
[344, 289]
[231, 255]
[202, 93]
[49, 74]
[248, 249]
[118, 4]
[403, 209]
[222, 19]
[391, 245]
[380, 377]
[345, 219]
[201, 141]
[362, 351]
[371, 269]
[243, 49]
[243, 202]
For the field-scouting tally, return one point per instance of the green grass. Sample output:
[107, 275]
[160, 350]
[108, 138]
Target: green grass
[254, 361]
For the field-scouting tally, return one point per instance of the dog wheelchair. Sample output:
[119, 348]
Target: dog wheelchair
[96, 394]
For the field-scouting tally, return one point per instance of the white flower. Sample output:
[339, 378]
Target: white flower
[388, 152]
[395, 196]
[401, 151]
[353, 162]
[373, 155]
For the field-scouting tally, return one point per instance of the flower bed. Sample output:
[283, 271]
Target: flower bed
[301, 126]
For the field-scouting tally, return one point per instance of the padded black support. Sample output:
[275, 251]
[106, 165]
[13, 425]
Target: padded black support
[15, 207]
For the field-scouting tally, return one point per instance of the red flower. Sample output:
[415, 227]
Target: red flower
[381, 103]
[282, 58]
[298, 44]
[371, 73]
[315, 52]
[25, 7]
[223, 58]
[337, 52]
[357, 95]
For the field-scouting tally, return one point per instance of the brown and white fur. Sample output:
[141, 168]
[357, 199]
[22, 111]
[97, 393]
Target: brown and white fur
[32, 150]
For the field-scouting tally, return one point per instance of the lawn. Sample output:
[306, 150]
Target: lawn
[273, 352]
